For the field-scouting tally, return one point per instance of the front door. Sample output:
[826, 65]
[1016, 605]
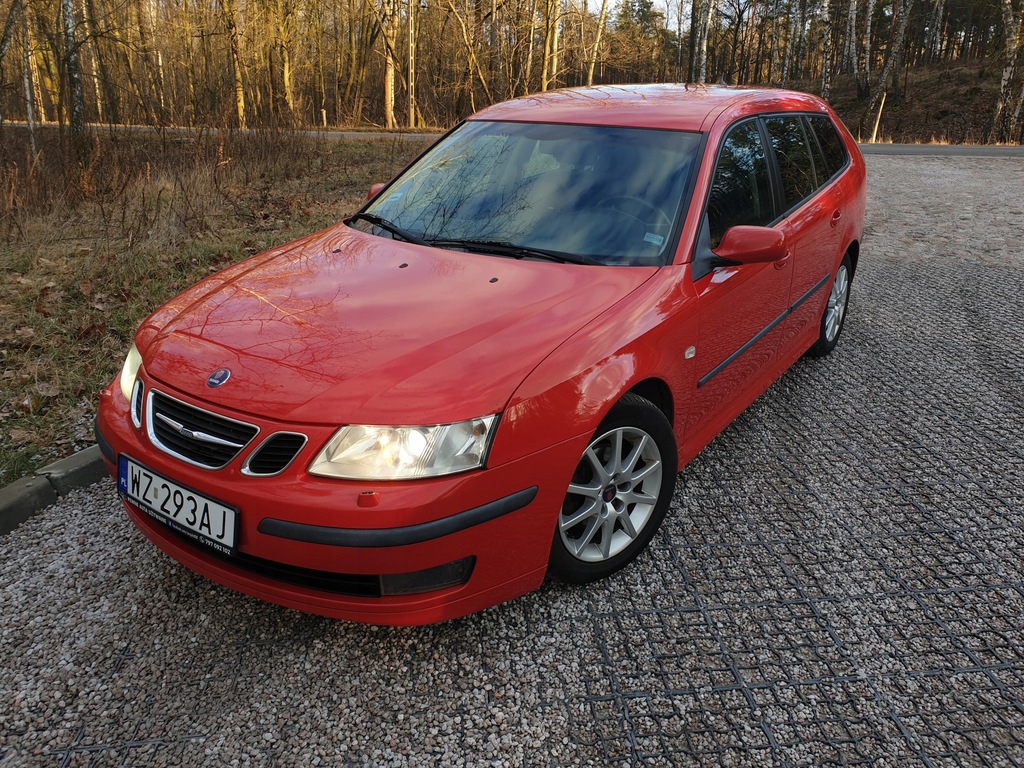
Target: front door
[738, 304]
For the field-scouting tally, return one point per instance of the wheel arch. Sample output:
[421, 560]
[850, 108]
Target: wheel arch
[657, 392]
[853, 251]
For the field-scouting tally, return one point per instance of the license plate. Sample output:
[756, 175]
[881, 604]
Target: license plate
[191, 513]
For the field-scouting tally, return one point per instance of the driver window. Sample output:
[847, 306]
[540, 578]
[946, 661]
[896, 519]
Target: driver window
[741, 190]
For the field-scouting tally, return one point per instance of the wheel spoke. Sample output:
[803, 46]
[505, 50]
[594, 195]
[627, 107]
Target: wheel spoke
[642, 474]
[607, 530]
[627, 525]
[638, 497]
[601, 475]
[588, 535]
[634, 455]
[615, 465]
[591, 508]
[590, 490]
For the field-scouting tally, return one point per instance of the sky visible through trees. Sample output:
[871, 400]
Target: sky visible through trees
[414, 63]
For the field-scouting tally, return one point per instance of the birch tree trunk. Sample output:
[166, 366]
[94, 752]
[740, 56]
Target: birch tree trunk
[864, 86]
[602, 17]
[228, 7]
[551, 14]
[30, 91]
[849, 65]
[532, 46]
[8, 33]
[73, 70]
[826, 58]
[935, 38]
[411, 85]
[285, 23]
[791, 46]
[388, 22]
[894, 55]
[701, 19]
[1015, 124]
[105, 85]
[154, 73]
[1001, 128]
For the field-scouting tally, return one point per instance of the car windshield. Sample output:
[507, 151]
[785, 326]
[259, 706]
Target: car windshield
[590, 194]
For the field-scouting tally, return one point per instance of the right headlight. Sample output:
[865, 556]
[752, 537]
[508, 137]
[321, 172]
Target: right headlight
[130, 370]
[367, 452]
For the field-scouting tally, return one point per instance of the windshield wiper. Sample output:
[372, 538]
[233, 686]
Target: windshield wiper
[388, 226]
[503, 248]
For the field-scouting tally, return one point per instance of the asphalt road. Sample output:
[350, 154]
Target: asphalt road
[923, 150]
[943, 150]
[840, 580]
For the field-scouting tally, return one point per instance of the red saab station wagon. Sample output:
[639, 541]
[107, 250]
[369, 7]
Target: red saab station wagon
[495, 369]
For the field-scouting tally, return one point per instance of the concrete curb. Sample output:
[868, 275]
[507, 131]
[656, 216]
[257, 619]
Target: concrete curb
[24, 498]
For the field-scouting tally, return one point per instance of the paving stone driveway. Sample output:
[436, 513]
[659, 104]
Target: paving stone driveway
[841, 581]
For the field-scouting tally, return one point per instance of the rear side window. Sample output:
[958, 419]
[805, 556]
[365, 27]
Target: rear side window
[831, 145]
[794, 157]
[821, 172]
[741, 189]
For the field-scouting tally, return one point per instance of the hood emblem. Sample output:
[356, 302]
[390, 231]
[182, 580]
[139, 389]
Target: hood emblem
[218, 377]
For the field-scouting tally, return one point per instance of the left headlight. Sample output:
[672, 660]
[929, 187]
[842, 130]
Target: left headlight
[360, 452]
[129, 371]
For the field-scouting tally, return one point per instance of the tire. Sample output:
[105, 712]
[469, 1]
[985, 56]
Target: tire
[834, 316]
[603, 525]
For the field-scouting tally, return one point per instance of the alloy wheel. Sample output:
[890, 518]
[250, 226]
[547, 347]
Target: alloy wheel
[837, 303]
[612, 496]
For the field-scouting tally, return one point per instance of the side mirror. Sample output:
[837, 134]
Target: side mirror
[752, 245]
[375, 190]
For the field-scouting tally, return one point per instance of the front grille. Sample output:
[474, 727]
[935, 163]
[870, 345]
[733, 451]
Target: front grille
[275, 454]
[196, 435]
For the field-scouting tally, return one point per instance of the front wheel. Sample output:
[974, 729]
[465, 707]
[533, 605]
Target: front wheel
[835, 311]
[618, 494]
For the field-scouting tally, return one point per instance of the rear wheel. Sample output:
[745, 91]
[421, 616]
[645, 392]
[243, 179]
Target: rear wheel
[618, 494]
[835, 310]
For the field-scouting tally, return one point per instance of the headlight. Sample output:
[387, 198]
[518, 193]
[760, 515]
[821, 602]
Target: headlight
[129, 371]
[405, 453]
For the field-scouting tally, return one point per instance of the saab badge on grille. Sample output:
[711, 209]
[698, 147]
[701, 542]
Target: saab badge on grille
[218, 377]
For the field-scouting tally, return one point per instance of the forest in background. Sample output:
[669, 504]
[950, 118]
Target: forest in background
[416, 63]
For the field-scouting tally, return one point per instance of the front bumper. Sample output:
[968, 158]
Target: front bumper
[312, 544]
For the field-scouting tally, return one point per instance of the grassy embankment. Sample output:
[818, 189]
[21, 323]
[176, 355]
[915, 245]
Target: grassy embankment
[85, 256]
[947, 104]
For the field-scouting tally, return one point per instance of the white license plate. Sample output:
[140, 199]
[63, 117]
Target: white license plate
[195, 515]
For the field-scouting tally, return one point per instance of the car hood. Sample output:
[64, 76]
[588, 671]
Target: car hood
[348, 327]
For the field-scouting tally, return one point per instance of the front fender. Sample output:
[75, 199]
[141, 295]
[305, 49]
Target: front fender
[641, 337]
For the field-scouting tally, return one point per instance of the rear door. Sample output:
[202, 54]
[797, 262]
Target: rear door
[812, 210]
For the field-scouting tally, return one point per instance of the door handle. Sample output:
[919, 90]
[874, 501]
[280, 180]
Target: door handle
[836, 216]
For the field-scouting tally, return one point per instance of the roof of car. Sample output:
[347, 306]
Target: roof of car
[687, 107]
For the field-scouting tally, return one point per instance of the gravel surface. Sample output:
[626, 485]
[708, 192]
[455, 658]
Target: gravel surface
[841, 580]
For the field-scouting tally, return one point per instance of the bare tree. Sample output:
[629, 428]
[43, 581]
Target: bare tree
[826, 57]
[229, 11]
[592, 59]
[1003, 122]
[73, 72]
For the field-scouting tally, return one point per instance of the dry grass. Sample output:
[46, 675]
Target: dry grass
[87, 253]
